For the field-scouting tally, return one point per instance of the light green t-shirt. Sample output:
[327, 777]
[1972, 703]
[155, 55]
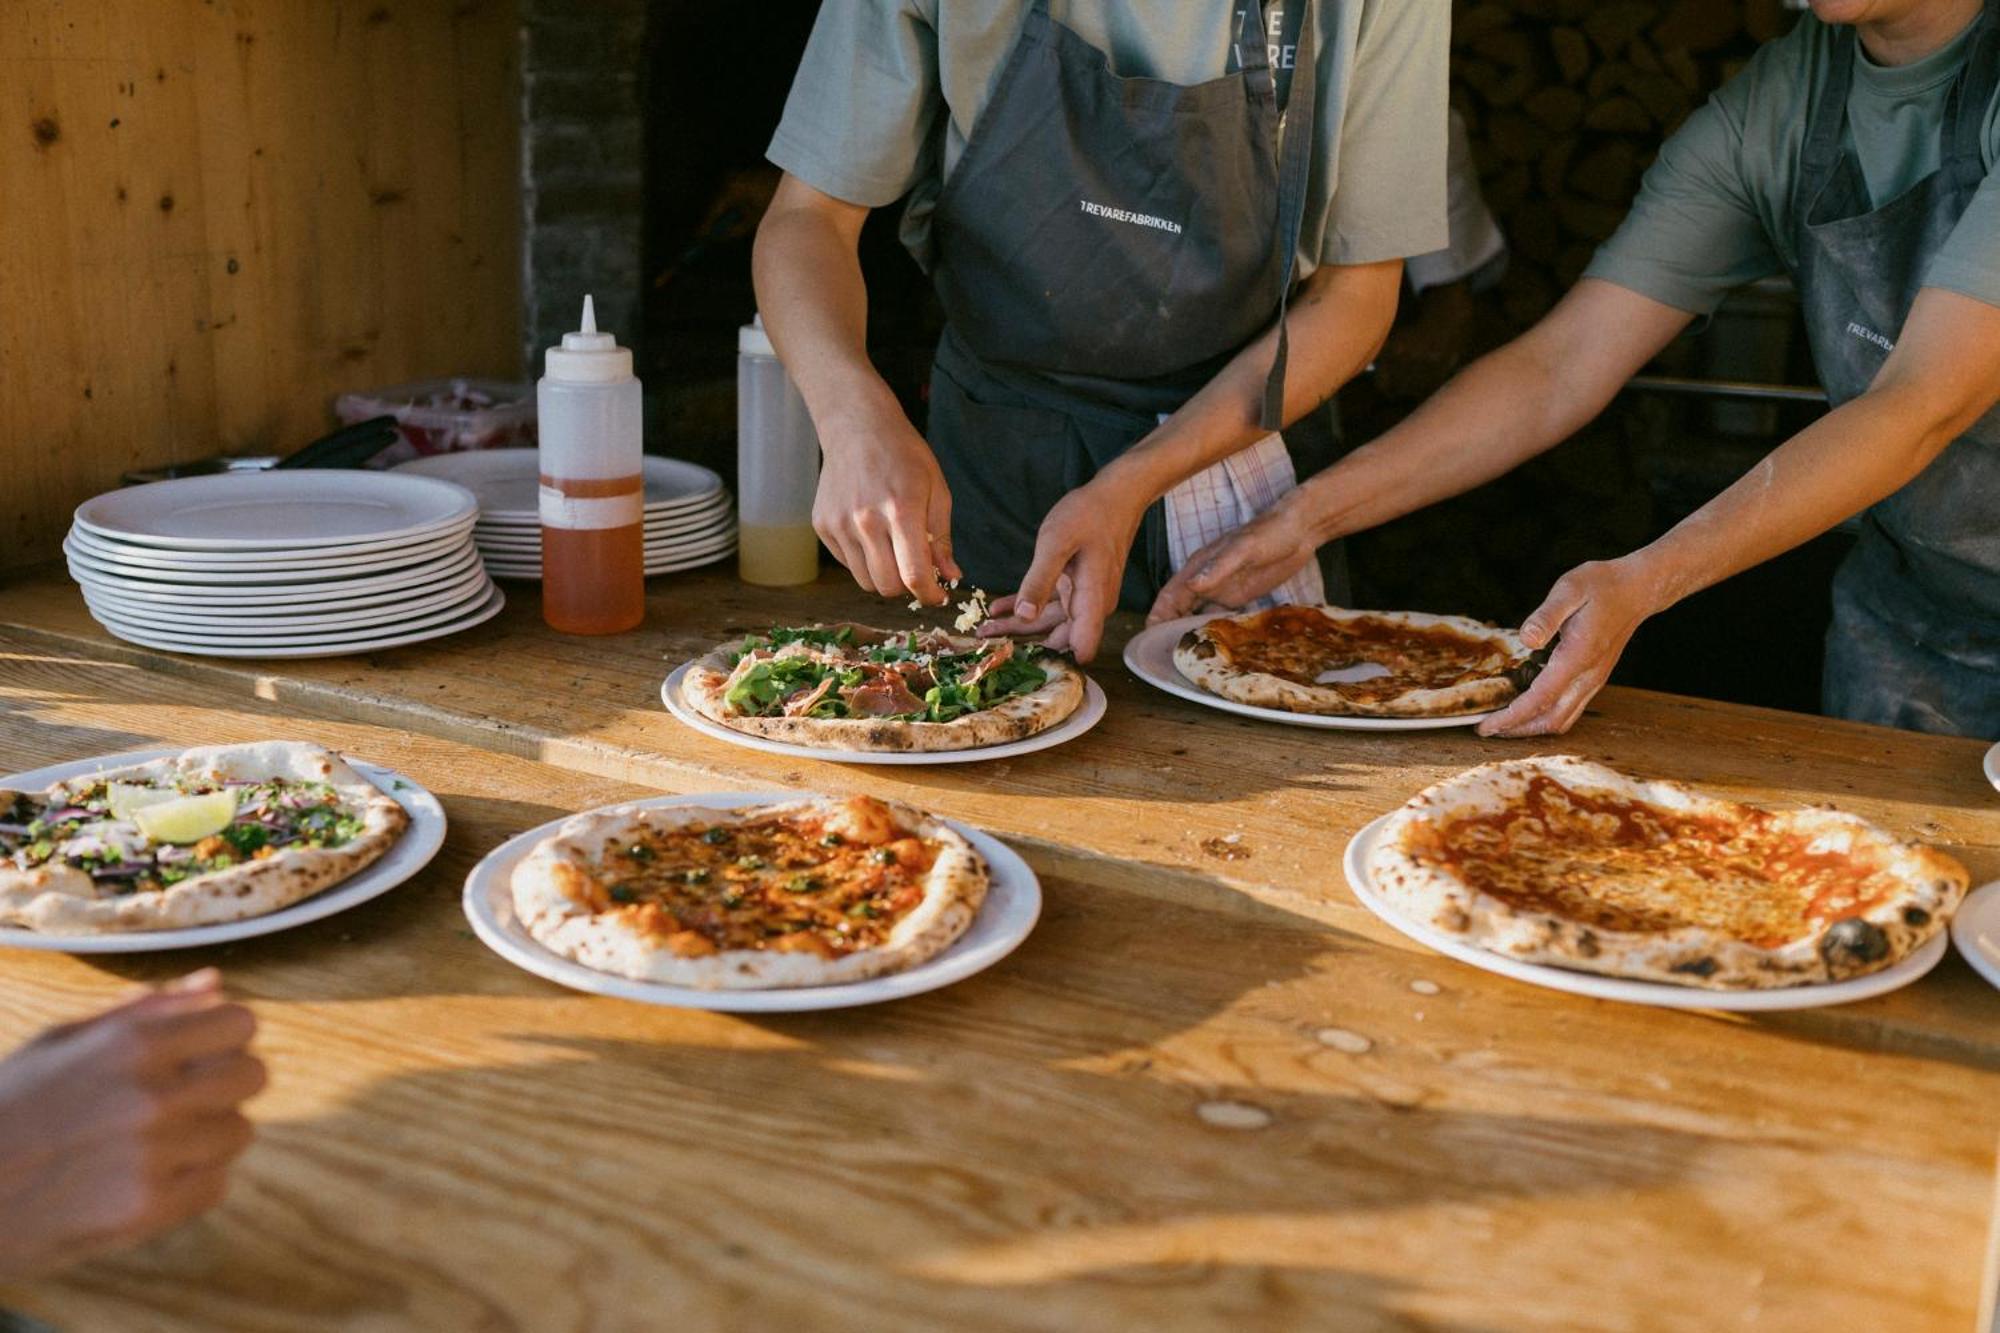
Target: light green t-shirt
[889, 90]
[1716, 209]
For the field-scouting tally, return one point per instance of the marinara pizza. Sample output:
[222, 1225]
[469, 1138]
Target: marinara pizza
[849, 687]
[1324, 659]
[807, 893]
[1558, 860]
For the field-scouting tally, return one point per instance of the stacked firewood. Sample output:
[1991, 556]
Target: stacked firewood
[1567, 101]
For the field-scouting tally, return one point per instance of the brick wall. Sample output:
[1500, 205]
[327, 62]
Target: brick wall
[582, 172]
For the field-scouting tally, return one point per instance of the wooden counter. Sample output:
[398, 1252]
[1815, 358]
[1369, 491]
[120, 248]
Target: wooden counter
[1203, 1093]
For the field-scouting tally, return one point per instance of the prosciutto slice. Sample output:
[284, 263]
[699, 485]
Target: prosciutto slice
[883, 696]
[804, 702]
[996, 657]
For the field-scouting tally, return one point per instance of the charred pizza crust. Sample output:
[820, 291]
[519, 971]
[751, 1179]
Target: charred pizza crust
[58, 898]
[706, 686]
[565, 896]
[1436, 666]
[1558, 860]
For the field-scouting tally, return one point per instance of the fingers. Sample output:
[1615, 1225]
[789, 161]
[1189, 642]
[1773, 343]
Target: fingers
[1000, 622]
[916, 566]
[1093, 595]
[938, 521]
[1039, 584]
[219, 1084]
[1564, 600]
[180, 1038]
[877, 552]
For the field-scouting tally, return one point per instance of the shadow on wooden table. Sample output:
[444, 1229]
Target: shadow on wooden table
[619, 1183]
[61, 737]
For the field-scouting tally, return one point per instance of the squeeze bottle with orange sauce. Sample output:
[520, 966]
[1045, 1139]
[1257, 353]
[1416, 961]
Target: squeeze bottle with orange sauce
[593, 489]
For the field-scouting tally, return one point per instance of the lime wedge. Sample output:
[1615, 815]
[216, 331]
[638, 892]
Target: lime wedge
[187, 818]
[128, 797]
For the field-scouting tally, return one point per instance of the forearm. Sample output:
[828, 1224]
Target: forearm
[1513, 403]
[1843, 463]
[1336, 324]
[807, 273]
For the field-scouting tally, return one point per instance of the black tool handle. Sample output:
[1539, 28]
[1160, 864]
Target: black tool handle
[350, 446]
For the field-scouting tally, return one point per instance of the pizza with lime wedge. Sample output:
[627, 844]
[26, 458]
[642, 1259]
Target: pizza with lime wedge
[215, 834]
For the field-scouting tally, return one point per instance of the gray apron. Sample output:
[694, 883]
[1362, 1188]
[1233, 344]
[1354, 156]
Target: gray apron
[1915, 640]
[1103, 248]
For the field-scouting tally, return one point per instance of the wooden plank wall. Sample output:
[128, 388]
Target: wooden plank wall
[217, 214]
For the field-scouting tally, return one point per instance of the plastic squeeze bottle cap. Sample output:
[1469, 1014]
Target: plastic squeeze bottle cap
[751, 340]
[588, 356]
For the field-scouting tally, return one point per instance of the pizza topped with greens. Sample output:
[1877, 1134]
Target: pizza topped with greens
[850, 687]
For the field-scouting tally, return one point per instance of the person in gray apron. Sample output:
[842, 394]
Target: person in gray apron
[1915, 640]
[1902, 302]
[1104, 248]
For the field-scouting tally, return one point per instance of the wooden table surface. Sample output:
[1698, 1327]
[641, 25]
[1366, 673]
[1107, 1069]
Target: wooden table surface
[1211, 1090]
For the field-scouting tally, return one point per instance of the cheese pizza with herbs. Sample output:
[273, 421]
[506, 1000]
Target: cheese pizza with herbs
[210, 835]
[849, 687]
[812, 892]
[1327, 660]
[1559, 860]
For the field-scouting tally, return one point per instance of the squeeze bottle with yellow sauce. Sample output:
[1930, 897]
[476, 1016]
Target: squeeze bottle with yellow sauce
[593, 499]
[777, 468]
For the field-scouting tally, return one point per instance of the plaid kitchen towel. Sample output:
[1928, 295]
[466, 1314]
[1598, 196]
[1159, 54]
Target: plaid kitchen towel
[1224, 497]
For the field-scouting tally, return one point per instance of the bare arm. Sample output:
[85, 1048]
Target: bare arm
[883, 508]
[1943, 375]
[1498, 412]
[1336, 323]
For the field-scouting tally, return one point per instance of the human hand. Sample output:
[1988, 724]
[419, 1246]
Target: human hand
[122, 1125]
[883, 508]
[1241, 566]
[1072, 583]
[1595, 607]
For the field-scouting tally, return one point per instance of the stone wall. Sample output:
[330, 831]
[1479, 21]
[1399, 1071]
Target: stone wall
[582, 167]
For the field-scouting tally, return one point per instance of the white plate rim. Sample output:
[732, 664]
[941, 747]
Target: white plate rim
[1992, 765]
[337, 591]
[1169, 679]
[490, 912]
[196, 617]
[484, 462]
[89, 515]
[533, 573]
[653, 546]
[1088, 715]
[1659, 994]
[409, 855]
[707, 511]
[652, 555]
[110, 551]
[491, 607]
[531, 538]
[277, 636]
[381, 562]
[1981, 958]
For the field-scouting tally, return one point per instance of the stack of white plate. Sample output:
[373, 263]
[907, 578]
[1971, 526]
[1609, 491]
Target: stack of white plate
[689, 520]
[304, 563]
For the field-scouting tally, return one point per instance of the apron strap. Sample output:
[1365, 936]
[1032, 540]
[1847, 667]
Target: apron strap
[1829, 117]
[1294, 166]
[1971, 93]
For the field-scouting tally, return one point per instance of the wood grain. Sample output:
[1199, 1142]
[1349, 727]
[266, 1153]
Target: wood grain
[218, 216]
[1054, 1144]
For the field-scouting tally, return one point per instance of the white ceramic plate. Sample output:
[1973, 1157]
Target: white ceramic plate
[1992, 766]
[508, 482]
[1975, 929]
[1013, 903]
[320, 595]
[143, 560]
[364, 641]
[706, 510]
[655, 552]
[1083, 719]
[1657, 993]
[203, 638]
[530, 539]
[533, 569]
[1149, 655]
[405, 605]
[282, 510]
[411, 853]
[380, 562]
